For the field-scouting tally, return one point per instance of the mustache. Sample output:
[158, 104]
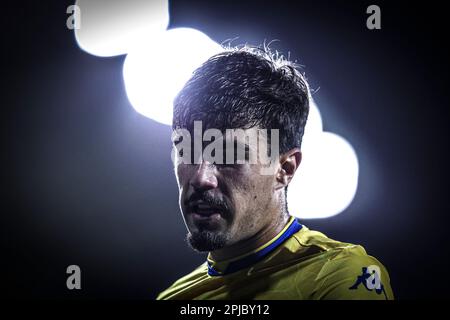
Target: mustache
[209, 199]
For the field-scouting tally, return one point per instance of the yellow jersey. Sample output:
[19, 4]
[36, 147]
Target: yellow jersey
[297, 264]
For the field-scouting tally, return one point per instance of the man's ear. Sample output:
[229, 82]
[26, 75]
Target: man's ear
[289, 162]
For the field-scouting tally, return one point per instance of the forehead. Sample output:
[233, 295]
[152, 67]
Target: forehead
[244, 137]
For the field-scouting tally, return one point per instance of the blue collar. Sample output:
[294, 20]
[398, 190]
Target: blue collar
[253, 258]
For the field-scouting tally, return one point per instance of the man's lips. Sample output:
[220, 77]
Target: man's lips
[212, 218]
[201, 209]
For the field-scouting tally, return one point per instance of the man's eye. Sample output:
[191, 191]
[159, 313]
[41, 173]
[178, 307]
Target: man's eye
[228, 166]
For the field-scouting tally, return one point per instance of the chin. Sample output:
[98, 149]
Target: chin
[206, 240]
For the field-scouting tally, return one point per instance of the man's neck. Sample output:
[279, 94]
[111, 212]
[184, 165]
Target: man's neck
[263, 236]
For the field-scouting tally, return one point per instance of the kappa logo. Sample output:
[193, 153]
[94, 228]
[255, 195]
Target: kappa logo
[370, 279]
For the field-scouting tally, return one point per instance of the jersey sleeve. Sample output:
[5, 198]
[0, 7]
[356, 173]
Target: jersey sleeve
[353, 275]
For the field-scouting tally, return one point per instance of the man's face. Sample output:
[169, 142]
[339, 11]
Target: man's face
[223, 204]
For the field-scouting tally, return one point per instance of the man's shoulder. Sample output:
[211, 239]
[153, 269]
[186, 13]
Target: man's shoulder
[312, 238]
[186, 282]
[342, 270]
[353, 274]
[313, 248]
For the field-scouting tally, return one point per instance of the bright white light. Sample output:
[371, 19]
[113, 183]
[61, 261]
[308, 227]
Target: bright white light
[156, 71]
[326, 181]
[112, 27]
[160, 61]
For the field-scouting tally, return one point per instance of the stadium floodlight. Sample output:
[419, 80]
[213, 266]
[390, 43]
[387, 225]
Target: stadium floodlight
[160, 61]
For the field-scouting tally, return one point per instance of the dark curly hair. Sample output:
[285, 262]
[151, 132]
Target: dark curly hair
[243, 88]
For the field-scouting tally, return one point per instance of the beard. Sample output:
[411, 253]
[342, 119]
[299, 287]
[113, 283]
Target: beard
[204, 240]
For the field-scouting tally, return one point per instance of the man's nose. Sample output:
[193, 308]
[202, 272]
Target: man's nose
[204, 177]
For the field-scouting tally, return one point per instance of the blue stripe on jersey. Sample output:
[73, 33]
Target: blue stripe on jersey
[257, 256]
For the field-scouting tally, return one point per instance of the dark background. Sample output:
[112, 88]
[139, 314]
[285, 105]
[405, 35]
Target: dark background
[88, 181]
